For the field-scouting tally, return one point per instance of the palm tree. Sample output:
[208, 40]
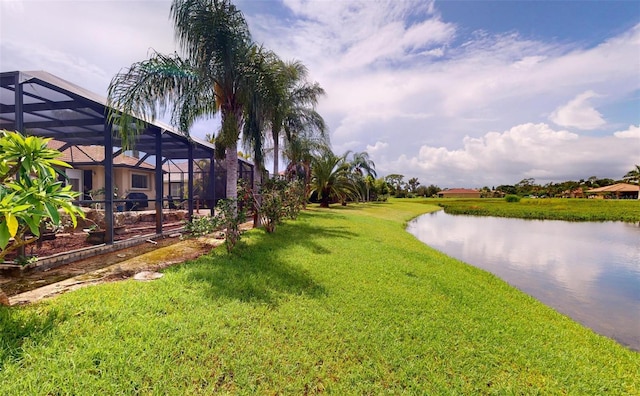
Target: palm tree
[210, 78]
[257, 108]
[300, 151]
[634, 176]
[330, 178]
[292, 104]
[361, 165]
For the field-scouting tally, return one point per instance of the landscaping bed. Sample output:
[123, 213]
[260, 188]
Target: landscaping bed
[15, 278]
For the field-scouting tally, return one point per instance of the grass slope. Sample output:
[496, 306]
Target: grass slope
[342, 301]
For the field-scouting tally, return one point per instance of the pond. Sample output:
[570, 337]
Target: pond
[589, 271]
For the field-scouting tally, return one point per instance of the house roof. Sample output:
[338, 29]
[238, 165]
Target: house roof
[94, 155]
[459, 191]
[618, 187]
[42, 104]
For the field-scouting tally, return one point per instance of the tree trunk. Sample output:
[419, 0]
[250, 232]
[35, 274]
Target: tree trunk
[257, 183]
[276, 155]
[231, 163]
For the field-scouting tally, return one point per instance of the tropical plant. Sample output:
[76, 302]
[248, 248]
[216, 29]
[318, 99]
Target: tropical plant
[330, 179]
[634, 176]
[362, 169]
[211, 77]
[292, 106]
[300, 151]
[30, 191]
[258, 108]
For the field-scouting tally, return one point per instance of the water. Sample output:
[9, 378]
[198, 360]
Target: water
[589, 271]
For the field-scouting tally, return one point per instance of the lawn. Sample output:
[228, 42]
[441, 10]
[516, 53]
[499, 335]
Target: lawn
[547, 208]
[341, 301]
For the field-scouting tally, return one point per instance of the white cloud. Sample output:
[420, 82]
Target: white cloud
[394, 74]
[578, 113]
[632, 132]
[527, 150]
[377, 148]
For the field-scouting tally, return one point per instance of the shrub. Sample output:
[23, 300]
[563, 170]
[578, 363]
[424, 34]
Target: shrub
[294, 198]
[280, 199]
[230, 218]
[512, 198]
[200, 226]
[271, 209]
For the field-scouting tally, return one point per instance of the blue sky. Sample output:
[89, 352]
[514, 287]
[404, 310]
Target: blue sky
[456, 93]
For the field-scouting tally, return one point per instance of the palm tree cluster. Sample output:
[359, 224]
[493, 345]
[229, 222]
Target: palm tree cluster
[340, 178]
[221, 70]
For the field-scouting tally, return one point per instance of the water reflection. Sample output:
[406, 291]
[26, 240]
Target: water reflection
[589, 271]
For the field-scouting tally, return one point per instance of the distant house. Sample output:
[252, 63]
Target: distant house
[618, 191]
[130, 174]
[459, 193]
[576, 193]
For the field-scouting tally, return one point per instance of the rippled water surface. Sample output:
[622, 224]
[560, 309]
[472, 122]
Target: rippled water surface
[589, 271]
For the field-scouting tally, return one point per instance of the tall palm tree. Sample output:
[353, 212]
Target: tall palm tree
[634, 176]
[330, 178]
[292, 104]
[258, 107]
[211, 77]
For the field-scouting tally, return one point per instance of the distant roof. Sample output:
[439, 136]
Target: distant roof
[91, 155]
[53, 107]
[459, 191]
[618, 187]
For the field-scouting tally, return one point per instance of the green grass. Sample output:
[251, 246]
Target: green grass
[552, 209]
[342, 301]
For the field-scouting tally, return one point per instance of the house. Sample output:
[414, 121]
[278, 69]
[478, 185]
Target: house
[130, 174]
[459, 193]
[618, 191]
[575, 193]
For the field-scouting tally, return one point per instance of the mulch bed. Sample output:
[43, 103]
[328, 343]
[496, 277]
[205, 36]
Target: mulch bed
[66, 242]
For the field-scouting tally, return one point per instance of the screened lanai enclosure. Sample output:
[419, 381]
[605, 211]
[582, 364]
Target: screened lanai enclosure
[168, 170]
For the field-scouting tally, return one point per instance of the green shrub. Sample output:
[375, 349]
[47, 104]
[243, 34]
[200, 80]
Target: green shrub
[512, 198]
[200, 226]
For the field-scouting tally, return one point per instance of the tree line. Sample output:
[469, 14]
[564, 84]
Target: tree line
[395, 185]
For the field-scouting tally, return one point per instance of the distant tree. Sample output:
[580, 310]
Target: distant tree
[633, 176]
[421, 191]
[485, 192]
[413, 184]
[604, 182]
[592, 181]
[380, 188]
[395, 182]
[525, 186]
[433, 190]
[362, 167]
[506, 189]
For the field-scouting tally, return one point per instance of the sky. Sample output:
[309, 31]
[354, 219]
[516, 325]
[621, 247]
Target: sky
[455, 93]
